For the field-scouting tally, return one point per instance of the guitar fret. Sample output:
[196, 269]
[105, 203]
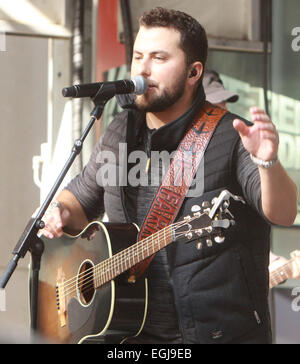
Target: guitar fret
[153, 244]
[143, 253]
[106, 275]
[128, 264]
[123, 258]
[99, 279]
[111, 271]
[95, 278]
[148, 254]
[136, 254]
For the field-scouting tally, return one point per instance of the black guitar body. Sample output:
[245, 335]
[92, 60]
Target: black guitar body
[70, 309]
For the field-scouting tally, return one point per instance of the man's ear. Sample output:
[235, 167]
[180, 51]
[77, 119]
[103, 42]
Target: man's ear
[195, 72]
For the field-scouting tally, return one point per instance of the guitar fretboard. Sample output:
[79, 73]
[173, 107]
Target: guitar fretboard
[126, 259]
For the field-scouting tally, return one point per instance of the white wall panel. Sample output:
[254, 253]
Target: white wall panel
[23, 107]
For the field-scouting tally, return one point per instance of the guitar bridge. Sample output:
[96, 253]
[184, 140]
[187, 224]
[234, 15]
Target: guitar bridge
[60, 297]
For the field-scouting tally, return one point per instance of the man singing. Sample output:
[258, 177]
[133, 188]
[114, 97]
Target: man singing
[219, 293]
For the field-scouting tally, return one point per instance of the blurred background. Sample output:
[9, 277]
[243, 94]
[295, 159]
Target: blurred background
[46, 45]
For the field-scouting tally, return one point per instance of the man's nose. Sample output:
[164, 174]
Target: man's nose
[145, 68]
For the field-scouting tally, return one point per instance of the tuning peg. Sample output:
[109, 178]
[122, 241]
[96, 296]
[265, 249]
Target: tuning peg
[199, 245]
[228, 213]
[226, 204]
[209, 243]
[224, 224]
[199, 232]
[219, 239]
[196, 208]
[209, 229]
[189, 236]
[214, 200]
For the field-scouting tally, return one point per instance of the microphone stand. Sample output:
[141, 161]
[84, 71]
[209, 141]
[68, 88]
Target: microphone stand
[29, 240]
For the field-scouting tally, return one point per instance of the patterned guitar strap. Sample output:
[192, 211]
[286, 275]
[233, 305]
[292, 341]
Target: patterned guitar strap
[178, 179]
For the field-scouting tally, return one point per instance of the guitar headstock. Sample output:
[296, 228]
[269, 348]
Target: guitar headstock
[207, 222]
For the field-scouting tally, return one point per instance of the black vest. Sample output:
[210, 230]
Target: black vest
[221, 291]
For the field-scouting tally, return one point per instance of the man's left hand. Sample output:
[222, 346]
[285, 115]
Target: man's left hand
[261, 139]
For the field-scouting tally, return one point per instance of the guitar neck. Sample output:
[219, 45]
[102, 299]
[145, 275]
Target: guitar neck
[281, 274]
[126, 259]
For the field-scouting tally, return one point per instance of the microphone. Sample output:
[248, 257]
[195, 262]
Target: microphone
[138, 85]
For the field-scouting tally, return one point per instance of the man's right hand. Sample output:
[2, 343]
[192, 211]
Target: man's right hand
[65, 214]
[55, 218]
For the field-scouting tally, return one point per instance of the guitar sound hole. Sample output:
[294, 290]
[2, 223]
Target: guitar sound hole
[86, 282]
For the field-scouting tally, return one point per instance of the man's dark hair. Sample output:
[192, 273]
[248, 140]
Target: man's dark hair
[193, 36]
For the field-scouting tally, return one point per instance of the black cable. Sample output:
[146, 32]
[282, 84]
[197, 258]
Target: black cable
[266, 37]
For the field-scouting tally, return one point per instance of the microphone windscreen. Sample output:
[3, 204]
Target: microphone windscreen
[140, 85]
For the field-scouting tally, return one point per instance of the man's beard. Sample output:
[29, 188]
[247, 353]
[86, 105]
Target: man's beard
[159, 103]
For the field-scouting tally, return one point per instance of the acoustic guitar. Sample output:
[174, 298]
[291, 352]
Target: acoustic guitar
[84, 294]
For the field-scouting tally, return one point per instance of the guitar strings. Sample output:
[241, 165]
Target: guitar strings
[136, 247]
[89, 283]
[90, 286]
[108, 277]
[119, 257]
[102, 270]
[116, 260]
[106, 263]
